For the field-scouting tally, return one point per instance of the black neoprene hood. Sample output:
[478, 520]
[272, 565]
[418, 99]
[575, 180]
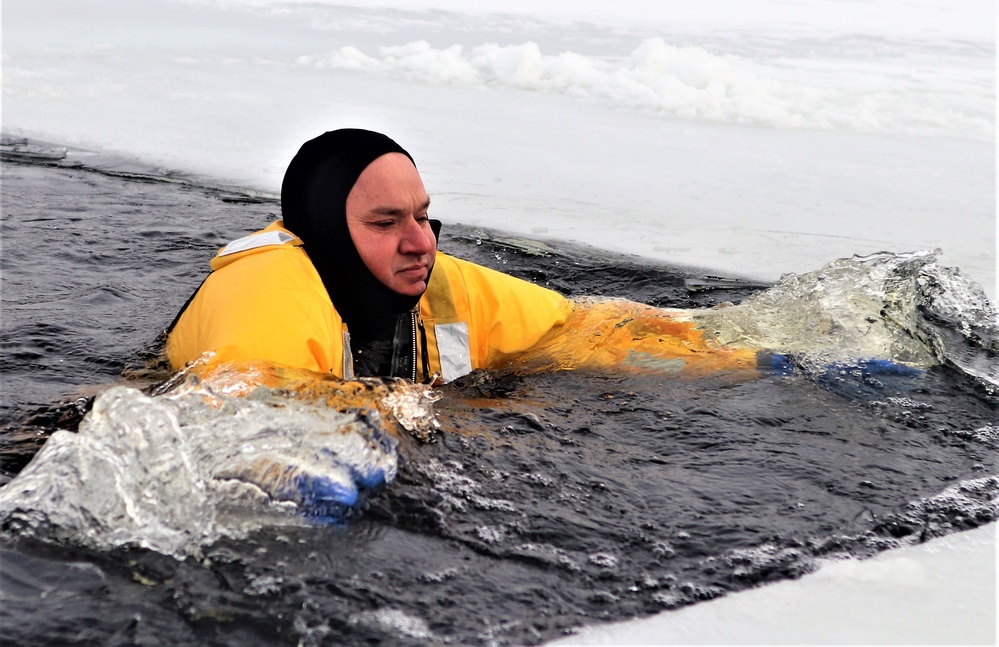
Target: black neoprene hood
[314, 207]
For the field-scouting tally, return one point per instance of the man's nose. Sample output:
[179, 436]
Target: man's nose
[417, 238]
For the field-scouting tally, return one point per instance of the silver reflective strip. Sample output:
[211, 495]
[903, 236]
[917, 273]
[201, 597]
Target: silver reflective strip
[256, 240]
[348, 358]
[452, 346]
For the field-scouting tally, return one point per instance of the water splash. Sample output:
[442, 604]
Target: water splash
[127, 476]
[180, 470]
[903, 308]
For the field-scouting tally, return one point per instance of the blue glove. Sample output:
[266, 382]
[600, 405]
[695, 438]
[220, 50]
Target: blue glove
[325, 474]
[321, 498]
[325, 498]
[857, 379]
[864, 378]
[774, 363]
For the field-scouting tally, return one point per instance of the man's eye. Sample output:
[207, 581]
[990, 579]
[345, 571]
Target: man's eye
[384, 224]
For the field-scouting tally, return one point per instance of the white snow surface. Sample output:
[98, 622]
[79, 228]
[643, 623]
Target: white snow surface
[750, 137]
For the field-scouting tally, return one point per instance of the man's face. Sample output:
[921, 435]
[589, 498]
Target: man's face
[387, 220]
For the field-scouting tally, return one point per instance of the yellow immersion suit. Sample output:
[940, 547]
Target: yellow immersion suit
[265, 301]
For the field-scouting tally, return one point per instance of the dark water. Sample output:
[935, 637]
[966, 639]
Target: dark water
[548, 501]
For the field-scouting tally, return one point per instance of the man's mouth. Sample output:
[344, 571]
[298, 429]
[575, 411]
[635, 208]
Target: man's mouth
[415, 271]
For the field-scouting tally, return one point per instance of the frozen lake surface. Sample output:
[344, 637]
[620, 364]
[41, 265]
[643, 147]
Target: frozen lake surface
[742, 137]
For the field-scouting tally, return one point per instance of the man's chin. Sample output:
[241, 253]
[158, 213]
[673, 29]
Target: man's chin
[414, 289]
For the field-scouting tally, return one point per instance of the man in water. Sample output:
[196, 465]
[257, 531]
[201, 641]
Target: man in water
[350, 281]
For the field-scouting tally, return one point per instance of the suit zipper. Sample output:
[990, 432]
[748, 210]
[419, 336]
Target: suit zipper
[416, 353]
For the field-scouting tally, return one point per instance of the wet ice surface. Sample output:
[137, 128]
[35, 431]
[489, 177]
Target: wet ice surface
[546, 502]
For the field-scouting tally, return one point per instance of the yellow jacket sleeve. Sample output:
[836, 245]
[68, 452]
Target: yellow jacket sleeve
[506, 315]
[615, 332]
[270, 305]
[514, 323]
